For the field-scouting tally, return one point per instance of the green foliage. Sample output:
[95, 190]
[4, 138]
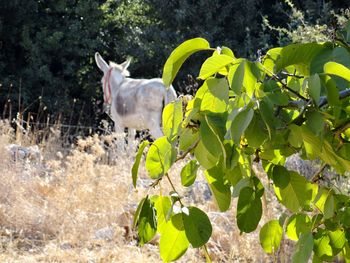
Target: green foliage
[135, 167]
[160, 157]
[189, 173]
[197, 227]
[296, 100]
[271, 236]
[173, 241]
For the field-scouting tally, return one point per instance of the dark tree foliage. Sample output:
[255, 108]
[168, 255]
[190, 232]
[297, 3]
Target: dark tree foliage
[46, 50]
[47, 47]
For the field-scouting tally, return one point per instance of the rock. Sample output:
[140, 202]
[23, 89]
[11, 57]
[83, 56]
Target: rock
[105, 233]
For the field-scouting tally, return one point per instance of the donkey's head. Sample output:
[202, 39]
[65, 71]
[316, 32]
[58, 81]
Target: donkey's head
[113, 75]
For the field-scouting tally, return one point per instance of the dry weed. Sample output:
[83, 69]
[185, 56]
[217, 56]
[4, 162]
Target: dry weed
[78, 204]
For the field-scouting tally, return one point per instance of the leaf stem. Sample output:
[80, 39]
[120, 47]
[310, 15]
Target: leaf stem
[174, 189]
[207, 255]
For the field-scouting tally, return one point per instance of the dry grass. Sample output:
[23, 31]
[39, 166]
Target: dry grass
[77, 205]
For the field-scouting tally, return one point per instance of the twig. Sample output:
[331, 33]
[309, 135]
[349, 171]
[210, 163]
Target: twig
[292, 75]
[194, 145]
[317, 176]
[284, 85]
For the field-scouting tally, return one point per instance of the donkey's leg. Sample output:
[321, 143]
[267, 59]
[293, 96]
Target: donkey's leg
[131, 134]
[120, 136]
[132, 142]
[154, 125]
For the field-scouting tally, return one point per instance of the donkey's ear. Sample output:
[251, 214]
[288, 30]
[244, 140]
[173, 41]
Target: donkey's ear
[126, 63]
[102, 65]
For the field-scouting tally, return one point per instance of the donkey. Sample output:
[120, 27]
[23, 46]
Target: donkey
[135, 103]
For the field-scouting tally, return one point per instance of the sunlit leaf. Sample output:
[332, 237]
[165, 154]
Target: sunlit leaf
[334, 68]
[189, 173]
[204, 157]
[162, 205]
[220, 190]
[160, 157]
[270, 236]
[187, 139]
[240, 123]
[135, 167]
[179, 55]
[213, 96]
[297, 225]
[171, 119]
[236, 76]
[173, 242]
[292, 189]
[322, 247]
[213, 65]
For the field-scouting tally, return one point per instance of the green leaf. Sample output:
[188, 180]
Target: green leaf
[225, 51]
[256, 139]
[147, 225]
[173, 241]
[236, 76]
[315, 147]
[297, 225]
[179, 55]
[327, 244]
[249, 210]
[314, 84]
[198, 228]
[244, 182]
[162, 205]
[252, 72]
[213, 65]
[332, 91]
[212, 138]
[189, 173]
[303, 248]
[299, 55]
[337, 240]
[220, 190]
[271, 236]
[329, 207]
[295, 138]
[315, 122]
[172, 118]
[334, 68]
[138, 211]
[322, 247]
[204, 157]
[292, 189]
[135, 166]
[213, 96]
[187, 139]
[240, 123]
[160, 157]
[321, 197]
[266, 112]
